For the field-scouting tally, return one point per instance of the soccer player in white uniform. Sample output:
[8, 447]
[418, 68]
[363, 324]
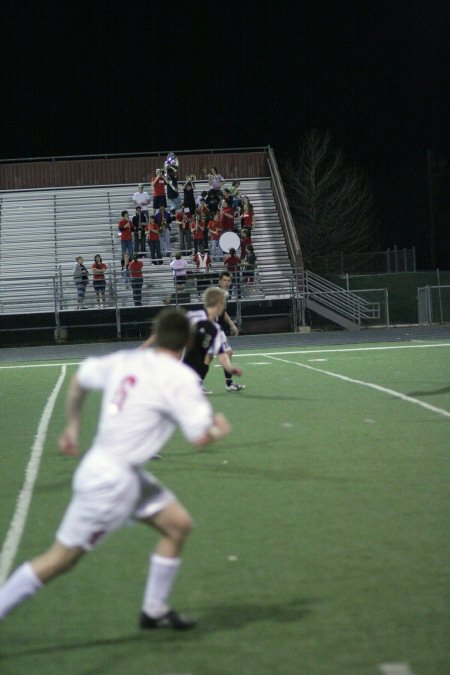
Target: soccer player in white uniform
[147, 393]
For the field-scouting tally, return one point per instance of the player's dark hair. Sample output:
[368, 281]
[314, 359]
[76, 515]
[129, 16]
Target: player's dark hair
[172, 330]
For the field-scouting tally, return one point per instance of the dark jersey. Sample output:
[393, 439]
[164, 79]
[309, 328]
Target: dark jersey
[207, 339]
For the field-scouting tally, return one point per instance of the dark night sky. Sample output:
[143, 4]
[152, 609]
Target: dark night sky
[104, 77]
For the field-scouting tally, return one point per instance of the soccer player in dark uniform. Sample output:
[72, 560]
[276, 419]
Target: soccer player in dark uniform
[228, 326]
[208, 337]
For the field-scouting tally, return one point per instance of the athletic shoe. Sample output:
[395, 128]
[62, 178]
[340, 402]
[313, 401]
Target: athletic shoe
[234, 387]
[170, 620]
[206, 391]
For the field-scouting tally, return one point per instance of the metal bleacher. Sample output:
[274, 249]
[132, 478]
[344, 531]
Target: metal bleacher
[43, 230]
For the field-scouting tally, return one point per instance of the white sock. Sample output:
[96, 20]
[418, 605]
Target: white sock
[161, 577]
[22, 584]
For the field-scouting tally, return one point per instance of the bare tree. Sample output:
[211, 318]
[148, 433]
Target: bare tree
[331, 201]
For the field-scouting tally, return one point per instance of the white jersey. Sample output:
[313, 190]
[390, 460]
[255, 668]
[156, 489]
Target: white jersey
[146, 395]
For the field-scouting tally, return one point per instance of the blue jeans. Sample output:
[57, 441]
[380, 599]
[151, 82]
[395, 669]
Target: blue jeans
[127, 246]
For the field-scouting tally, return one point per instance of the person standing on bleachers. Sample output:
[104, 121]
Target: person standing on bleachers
[159, 190]
[139, 225]
[98, 279]
[125, 229]
[81, 279]
[141, 198]
[153, 242]
[136, 279]
[163, 219]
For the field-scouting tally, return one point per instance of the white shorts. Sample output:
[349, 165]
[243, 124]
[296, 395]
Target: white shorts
[105, 497]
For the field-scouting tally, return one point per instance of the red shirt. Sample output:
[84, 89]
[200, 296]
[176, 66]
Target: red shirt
[135, 268]
[98, 272]
[153, 231]
[227, 218]
[215, 229]
[232, 263]
[159, 187]
[197, 230]
[125, 231]
[203, 261]
[248, 219]
[244, 243]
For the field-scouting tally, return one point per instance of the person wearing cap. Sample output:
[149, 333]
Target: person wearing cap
[142, 199]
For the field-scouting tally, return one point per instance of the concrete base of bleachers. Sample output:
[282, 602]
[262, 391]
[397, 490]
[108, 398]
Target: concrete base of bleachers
[128, 323]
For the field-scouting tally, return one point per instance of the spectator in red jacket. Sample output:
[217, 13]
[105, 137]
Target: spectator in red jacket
[125, 229]
[137, 279]
[233, 264]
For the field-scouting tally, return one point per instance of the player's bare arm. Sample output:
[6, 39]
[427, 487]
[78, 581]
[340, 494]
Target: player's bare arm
[68, 440]
[218, 429]
[225, 362]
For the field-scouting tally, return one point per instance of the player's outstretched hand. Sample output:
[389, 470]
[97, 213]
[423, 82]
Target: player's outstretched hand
[237, 371]
[68, 442]
[222, 424]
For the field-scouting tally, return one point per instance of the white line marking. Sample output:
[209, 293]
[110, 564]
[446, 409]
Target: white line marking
[42, 365]
[265, 354]
[384, 390]
[18, 521]
[341, 349]
[395, 669]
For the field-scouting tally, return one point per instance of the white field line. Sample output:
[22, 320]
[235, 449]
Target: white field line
[41, 365]
[262, 353]
[341, 349]
[395, 669]
[371, 385]
[17, 525]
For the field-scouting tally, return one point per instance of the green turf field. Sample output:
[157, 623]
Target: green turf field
[322, 526]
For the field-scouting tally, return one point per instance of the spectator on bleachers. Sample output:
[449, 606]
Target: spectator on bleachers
[184, 219]
[215, 180]
[245, 241]
[226, 216]
[179, 267]
[213, 201]
[204, 216]
[202, 262]
[233, 264]
[163, 220]
[153, 241]
[235, 195]
[139, 225]
[215, 230]
[141, 198]
[188, 194]
[198, 226]
[247, 218]
[173, 193]
[203, 194]
[136, 279]
[159, 190]
[125, 229]
[81, 279]
[98, 279]
[249, 265]
[247, 214]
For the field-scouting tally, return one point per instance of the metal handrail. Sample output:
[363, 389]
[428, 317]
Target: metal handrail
[152, 153]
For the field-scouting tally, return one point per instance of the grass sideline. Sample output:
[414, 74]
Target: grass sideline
[321, 528]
